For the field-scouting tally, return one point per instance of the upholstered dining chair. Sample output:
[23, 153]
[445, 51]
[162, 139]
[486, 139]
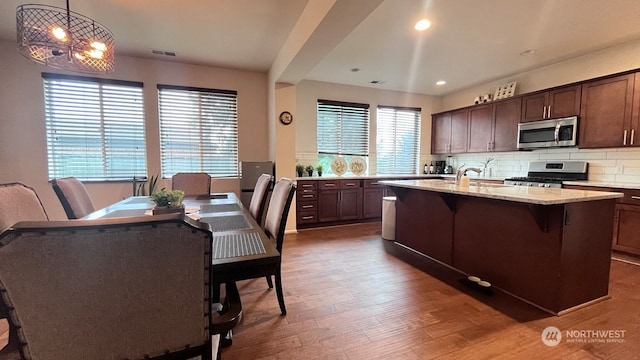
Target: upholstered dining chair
[274, 226]
[116, 288]
[259, 197]
[73, 196]
[192, 183]
[19, 203]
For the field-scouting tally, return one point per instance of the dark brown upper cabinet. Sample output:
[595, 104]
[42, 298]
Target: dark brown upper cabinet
[551, 104]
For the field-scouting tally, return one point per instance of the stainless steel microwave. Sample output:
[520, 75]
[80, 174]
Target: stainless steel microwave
[548, 133]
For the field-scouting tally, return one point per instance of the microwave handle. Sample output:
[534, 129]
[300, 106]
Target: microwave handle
[556, 134]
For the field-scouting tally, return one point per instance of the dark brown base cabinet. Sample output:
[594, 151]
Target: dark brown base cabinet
[340, 201]
[626, 222]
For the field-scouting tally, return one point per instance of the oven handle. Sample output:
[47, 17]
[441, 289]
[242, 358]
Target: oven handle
[556, 134]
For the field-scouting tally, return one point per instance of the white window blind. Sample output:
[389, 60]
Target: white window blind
[343, 128]
[398, 140]
[95, 128]
[198, 130]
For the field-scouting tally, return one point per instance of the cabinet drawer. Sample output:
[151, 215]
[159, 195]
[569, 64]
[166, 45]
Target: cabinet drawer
[306, 206]
[307, 195]
[329, 184]
[307, 185]
[350, 184]
[631, 196]
[372, 183]
[307, 217]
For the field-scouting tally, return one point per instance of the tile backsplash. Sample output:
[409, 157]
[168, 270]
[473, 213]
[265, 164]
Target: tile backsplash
[606, 165]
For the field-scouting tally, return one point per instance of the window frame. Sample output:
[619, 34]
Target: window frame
[169, 163]
[104, 119]
[395, 167]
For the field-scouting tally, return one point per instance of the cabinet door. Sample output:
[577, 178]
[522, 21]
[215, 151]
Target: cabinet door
[480, 128]
[328, 205]
[459, 131]
[372, 203]
[605, 113]
[634, 136]
[626, 228]
[440, 133]
[350, 204]
[564, 102]
[534, 107]
[506, 115]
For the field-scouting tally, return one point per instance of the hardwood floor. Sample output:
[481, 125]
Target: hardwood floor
[348, 298]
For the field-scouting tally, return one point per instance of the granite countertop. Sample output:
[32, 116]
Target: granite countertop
[350, 177]
[604, 184]
[525, 194]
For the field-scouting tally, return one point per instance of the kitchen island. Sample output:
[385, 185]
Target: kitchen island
[548, 247]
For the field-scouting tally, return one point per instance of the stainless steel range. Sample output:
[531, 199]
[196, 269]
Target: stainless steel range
[551, 174]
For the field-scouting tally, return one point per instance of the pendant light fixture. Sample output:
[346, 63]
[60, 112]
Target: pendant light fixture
[63, 39]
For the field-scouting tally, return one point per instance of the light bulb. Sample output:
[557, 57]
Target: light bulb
[59, 33]
[96, 54]
[100, 46]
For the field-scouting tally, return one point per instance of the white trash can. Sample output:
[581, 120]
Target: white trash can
[389, 217]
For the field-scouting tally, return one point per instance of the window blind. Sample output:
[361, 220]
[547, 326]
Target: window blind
[95, 128]
[198, 131]
[343, 128]
[398, 140]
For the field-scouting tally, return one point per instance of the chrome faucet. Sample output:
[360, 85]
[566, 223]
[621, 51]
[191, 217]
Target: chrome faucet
[460, 172]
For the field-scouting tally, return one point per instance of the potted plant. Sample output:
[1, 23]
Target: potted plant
[140, 185]
[167, 201]
[309, 170]
[299, 170]
[319, 169]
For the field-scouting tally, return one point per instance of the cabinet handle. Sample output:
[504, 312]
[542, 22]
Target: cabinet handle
[488, 145]
[349, 184]
[307, 206]
[633, 133]
[635, 197]
[624, 140]
[374, 183]
[307, 217]
[307, 185]
[544, 112]
[549, 112]
[329, 184]
[307, 196]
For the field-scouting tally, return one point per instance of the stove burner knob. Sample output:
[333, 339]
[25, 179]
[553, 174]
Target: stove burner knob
[547, 185]
[529, 184]
[541, 185]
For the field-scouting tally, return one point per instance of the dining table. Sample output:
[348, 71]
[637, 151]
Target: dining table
[240, 248]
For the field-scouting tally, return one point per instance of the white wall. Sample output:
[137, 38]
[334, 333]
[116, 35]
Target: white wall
[310, 91]
[608, 165]
[23, 154]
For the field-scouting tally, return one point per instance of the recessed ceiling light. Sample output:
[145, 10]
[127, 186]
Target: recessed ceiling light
[440, 82]
[423, 24]
[528, 52]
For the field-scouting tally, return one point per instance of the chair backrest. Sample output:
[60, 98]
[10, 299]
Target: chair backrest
[192, 183]
[117, 288]
[278, 210]
[73, 196]
[259, 197]
[19, 203]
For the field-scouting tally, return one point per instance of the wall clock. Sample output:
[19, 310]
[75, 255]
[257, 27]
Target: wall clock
[286, 118]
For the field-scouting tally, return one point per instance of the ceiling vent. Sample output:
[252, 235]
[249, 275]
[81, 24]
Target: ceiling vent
[163, 53]
[377, 82]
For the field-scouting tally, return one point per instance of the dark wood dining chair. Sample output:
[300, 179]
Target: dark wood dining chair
[73, 196]
[259, 197]
[274, 226]
[115, 288]
[192, 183]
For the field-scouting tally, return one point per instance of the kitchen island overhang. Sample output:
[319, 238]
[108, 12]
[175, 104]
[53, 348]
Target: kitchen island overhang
[548, 247]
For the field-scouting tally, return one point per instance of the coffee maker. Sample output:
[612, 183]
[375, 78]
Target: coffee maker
[448, 168]
[440, 166]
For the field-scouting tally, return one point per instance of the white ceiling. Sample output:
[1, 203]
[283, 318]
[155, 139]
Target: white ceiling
[470, 41]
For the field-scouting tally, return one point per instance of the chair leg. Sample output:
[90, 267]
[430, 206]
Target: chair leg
[269, 282]
[283, 309]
